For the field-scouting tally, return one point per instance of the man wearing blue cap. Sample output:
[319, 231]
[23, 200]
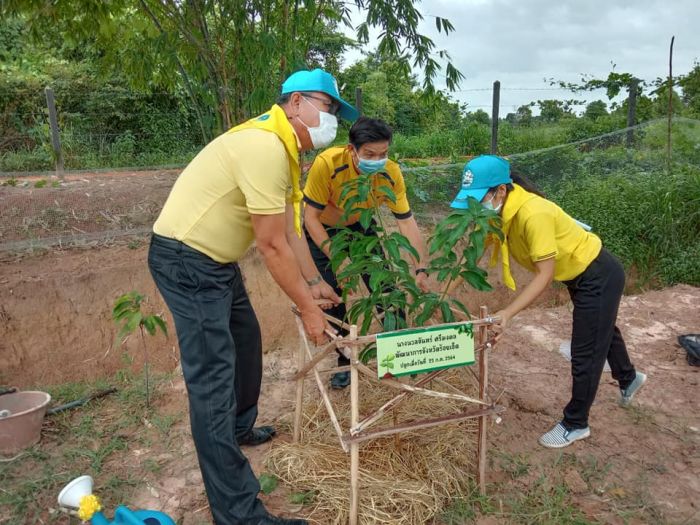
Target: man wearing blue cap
[243, 186]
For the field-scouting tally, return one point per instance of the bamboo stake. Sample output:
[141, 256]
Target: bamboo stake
[334, 370]
[322, 389]
[379, 413]
[298, 412]
[354, 418]
[483, 385]
[415, 389]
[365, 339]
[480, 413]
[302, 371]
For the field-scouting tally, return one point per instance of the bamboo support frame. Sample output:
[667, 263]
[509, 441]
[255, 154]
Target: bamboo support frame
[322, 389]
[358, 431]
[354, 418]
[483, 386]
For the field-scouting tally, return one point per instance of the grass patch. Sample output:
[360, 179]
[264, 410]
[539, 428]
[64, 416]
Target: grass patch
[93, 439]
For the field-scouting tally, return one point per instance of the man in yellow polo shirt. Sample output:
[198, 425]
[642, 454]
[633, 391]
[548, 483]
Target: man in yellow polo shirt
[243, 186]
[323, 213]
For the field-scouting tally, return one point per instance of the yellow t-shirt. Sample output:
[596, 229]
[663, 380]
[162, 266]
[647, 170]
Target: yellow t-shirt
[537, 229]
[332, 168]
[234, 176]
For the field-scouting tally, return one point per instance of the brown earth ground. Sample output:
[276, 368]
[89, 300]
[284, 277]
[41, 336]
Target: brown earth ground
[641, 465]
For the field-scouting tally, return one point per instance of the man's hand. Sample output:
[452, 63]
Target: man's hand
[323, 290]
[314, 325]
[422, 282]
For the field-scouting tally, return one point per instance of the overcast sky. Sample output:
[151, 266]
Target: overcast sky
[522, 42]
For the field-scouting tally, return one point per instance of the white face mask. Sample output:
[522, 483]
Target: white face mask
[489, 204]
[323, 134]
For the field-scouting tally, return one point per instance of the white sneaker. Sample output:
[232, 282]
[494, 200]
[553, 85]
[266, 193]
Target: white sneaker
[559, 437]
[627, 394]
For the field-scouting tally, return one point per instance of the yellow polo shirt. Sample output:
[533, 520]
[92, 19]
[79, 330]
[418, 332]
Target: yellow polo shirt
[332, 168]
[234, 176]
[537, 229]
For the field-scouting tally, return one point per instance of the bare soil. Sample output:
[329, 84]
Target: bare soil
[639, 466]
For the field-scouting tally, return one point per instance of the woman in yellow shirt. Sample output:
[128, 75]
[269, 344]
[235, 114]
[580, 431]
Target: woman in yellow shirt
[541, 237]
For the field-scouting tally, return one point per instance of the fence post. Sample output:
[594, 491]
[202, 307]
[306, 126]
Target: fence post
[494, 116]
[55, 138]
[358, 99]
[670, 103]
[631, 111]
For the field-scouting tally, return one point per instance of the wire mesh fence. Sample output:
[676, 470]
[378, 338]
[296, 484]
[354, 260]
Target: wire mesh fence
[622, 183]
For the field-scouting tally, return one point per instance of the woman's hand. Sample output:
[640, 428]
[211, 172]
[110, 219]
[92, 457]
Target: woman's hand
[500, 326]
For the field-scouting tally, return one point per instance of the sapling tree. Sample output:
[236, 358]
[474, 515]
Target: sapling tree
[128, 316]
[455, 247]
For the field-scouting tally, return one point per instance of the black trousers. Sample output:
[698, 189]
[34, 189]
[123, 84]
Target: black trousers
[221, 357]
[595, 338]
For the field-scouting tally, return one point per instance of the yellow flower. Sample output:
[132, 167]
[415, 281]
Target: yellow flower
[88, 506]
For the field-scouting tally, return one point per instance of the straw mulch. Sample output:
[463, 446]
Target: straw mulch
[406, 480]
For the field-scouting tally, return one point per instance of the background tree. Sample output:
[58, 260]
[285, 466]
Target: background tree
[479, 116]
[523, 116]
[551, 110]
[231, 55]
[595, 110]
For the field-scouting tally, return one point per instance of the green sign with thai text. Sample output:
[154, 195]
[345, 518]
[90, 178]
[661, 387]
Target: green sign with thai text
[423, 350]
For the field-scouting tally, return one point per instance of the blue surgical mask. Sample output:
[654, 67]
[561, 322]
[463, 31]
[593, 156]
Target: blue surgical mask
[368, 166]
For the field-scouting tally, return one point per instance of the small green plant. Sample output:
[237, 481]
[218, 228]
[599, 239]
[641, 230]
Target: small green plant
[127, 313]
[268, 483]
[302, 498]
[40, 183]
[12, 181]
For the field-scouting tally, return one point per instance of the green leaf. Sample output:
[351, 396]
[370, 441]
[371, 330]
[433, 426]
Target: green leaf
[368, 353]
[302, 498]
[268, 483]
[160, 322]
[476, 280]
[447, 315]
[389, 322]
[366, 217]
[386, 190]
[149, 325]
[131, 324]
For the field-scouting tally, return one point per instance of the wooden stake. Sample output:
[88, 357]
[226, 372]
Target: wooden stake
[483, 385]
[306, 368]
[397, 437]
[379, 413]
[55, 136]
[371, 338]
[301, 358]
[670, 103]
[354, 419]
[426, 423]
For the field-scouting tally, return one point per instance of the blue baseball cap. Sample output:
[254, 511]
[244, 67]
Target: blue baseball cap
[479, 176]
[322, 81]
